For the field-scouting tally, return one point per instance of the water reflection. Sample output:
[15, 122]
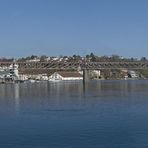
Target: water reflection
[65, 114]
[17, 97]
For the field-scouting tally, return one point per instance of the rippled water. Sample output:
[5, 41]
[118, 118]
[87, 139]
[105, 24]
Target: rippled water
[103, 114]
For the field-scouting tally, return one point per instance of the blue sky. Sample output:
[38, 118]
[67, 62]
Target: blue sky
[67, 27]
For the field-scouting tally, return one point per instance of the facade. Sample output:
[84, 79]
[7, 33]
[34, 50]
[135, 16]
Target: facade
[133, 74]
[34, 60]
[23, 77]
[9, 73]
[65, 76]
[42, 77]
[5, 74]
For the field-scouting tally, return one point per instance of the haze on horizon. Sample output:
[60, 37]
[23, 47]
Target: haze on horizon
[67, 27]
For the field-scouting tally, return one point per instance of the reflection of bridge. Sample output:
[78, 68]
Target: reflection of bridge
[76, 65]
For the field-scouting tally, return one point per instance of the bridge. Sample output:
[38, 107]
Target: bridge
[83, 65]
[78, 65]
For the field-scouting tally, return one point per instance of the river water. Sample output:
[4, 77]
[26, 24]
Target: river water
[103, 114]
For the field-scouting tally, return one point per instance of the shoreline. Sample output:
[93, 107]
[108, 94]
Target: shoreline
[41, 81]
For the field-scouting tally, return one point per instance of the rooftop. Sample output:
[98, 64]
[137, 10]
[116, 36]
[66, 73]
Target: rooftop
[69, 74]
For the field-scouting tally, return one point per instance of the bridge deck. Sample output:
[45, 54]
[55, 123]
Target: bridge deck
[81, 65]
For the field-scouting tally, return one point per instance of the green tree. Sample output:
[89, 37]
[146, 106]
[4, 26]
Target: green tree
[143, 59]
[43, 58]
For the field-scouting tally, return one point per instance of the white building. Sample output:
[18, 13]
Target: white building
[44, 77]
[23, 77]
[97, 72]
[14, 70]
[133, 74]
[10, 72]
[34, 60]
[65, 76]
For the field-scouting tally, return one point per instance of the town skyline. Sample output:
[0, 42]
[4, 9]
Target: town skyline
[75, 57]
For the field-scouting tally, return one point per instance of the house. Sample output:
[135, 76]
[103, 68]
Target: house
[33, 60]
[23, 77]
[5, 74]
[9, 73]
[65, 76]
[133, 74]
[96, 73]
[44, 77]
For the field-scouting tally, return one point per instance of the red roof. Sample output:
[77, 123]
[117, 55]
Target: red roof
[70, 74]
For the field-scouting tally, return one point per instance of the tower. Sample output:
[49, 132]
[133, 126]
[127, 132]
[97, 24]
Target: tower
[14, 70]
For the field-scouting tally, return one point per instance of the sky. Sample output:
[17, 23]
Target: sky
[67, 27]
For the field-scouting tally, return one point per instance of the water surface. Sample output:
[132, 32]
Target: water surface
[103, 114]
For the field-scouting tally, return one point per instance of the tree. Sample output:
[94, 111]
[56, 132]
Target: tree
[43, 58]
[33, 57]
[87, 56]
[92, 55]
[143, 59]
[115, 58]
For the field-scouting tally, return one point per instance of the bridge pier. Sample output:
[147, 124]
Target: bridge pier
[86, 75]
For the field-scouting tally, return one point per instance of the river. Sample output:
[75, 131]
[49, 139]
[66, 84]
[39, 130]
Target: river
[103, 114]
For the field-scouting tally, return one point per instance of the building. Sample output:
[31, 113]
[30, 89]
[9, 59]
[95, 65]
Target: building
[34, 60]
[9, 73]
[23, 77]
[65, 76]
[133, 74]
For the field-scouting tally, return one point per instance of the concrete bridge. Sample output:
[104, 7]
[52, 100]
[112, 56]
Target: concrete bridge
[78, 65]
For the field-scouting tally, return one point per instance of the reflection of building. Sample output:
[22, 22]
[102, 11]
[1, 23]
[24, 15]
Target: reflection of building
[17, 97]
[66, 76]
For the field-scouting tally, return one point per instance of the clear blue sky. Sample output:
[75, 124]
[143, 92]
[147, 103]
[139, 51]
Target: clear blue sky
[67, 27]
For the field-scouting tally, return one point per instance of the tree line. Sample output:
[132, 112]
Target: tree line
[89, 58]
